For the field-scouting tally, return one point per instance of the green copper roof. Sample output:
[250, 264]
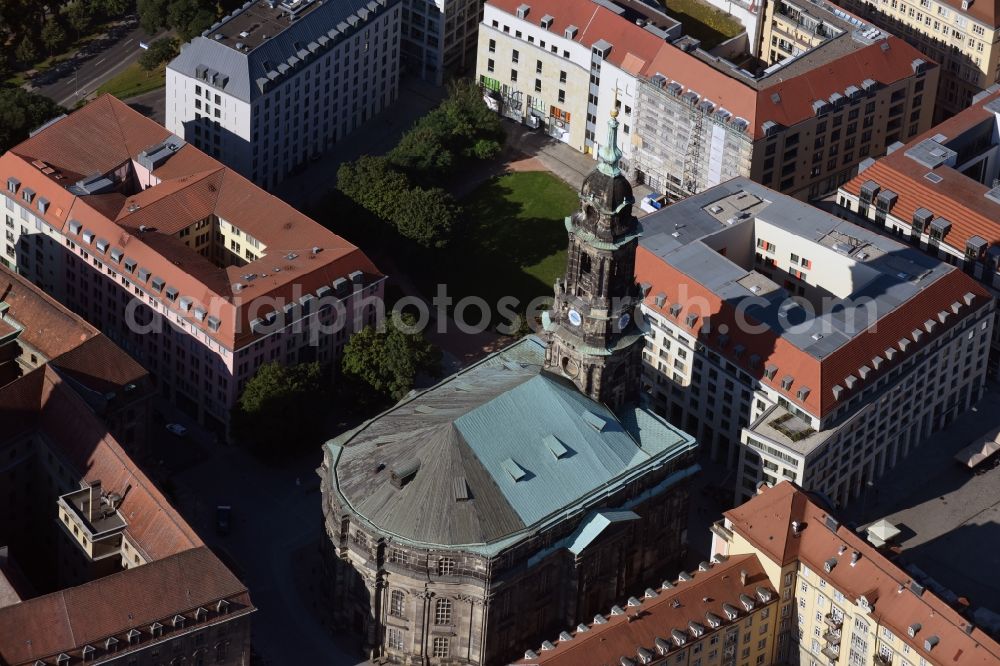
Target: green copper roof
[529, 446]
[610, 156]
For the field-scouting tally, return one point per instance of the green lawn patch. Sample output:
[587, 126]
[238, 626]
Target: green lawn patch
[511, 240]
[134, 81]
[704, 22]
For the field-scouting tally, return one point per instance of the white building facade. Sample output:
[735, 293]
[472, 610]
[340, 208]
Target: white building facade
[793, 344]
[562, 72]
[274, 85]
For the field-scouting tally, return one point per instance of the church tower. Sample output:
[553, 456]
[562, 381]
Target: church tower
[592, 337]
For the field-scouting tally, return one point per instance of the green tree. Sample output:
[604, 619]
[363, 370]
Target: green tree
[21, 112]
[53, 36]
[189, 18]
[373, 184]
[26, 51]
[152, 14]
[279, 406]
[387, 362]
[80, 15]
[159, 52]
[427, 216]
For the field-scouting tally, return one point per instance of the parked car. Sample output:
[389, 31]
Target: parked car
[223, 519]
[177, 429]
[653, 202]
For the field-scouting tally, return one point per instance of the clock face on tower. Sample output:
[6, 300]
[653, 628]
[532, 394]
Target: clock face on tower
[623, 321]
[575, 318]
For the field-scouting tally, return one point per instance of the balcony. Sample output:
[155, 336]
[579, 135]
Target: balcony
[832, 652]
[882, 660]
[832, 637]
[835, 623]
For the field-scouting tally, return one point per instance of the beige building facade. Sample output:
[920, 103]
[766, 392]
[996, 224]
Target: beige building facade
[844, 602]
[961, 36]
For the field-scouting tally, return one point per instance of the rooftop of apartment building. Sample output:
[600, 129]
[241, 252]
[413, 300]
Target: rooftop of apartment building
[41, 404]
[47, 332]
[262, 41]
[948, 177]
[104, 613]
[864, 304]
[668, 616]
[141, 199]
[45, 419]
[854, 59]
[784, 525]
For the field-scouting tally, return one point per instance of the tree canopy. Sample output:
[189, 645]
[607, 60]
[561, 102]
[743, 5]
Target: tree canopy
[387, 361]
[188, 17]
[279, 406]
[160, 51]
[21, 112]
[402, 187]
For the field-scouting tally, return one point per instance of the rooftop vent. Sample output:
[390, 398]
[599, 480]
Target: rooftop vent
[555, 446]
[570, 32]
[595, 421]
[403, 472]
[546, 21]
[931, 643]
[522, 11]
[516, 472]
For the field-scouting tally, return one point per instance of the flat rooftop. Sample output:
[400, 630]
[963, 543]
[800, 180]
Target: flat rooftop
[687, 235]
[257, 22]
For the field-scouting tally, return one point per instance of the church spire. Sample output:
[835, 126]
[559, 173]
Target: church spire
[610, 156]
[592, 337]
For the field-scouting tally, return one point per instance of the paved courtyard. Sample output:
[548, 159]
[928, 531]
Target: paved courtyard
[950, 517]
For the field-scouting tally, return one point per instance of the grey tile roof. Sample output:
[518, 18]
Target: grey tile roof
[245, 68]
[493, 424]
[885, 271]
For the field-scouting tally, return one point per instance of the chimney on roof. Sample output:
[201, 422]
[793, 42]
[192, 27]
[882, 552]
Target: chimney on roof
[855, 557]
[743, 576]
[796, 528]
[93, 499]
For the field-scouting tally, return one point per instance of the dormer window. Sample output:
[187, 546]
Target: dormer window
[89, 653]
[222, 606]
[133, 636]
[111, 645]
[178, 621]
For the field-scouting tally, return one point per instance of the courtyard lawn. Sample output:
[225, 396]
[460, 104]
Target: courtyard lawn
[512, 241]
[134, 80]
[703, 21]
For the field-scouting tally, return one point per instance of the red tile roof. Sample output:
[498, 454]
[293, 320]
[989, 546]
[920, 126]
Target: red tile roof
[47, 326]
[107, 135]
[639, 627]
[66, 340]
[42, 401]
[832, 68]
[88, 614]
[808, 371]
[766, 522]
[957, 198]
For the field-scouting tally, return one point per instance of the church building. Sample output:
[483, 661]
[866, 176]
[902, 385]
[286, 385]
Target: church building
[524, 492]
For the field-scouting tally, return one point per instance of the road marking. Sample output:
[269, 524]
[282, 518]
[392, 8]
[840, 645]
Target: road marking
[127, 42]
[100, 61]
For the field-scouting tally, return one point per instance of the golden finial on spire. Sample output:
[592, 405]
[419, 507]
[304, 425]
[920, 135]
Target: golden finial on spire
[614, 113]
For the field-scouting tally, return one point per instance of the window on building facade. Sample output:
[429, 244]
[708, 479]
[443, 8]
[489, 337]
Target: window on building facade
[442, 647]
[395, 639]
[442, 611]
[446, 566]
[396, 603]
